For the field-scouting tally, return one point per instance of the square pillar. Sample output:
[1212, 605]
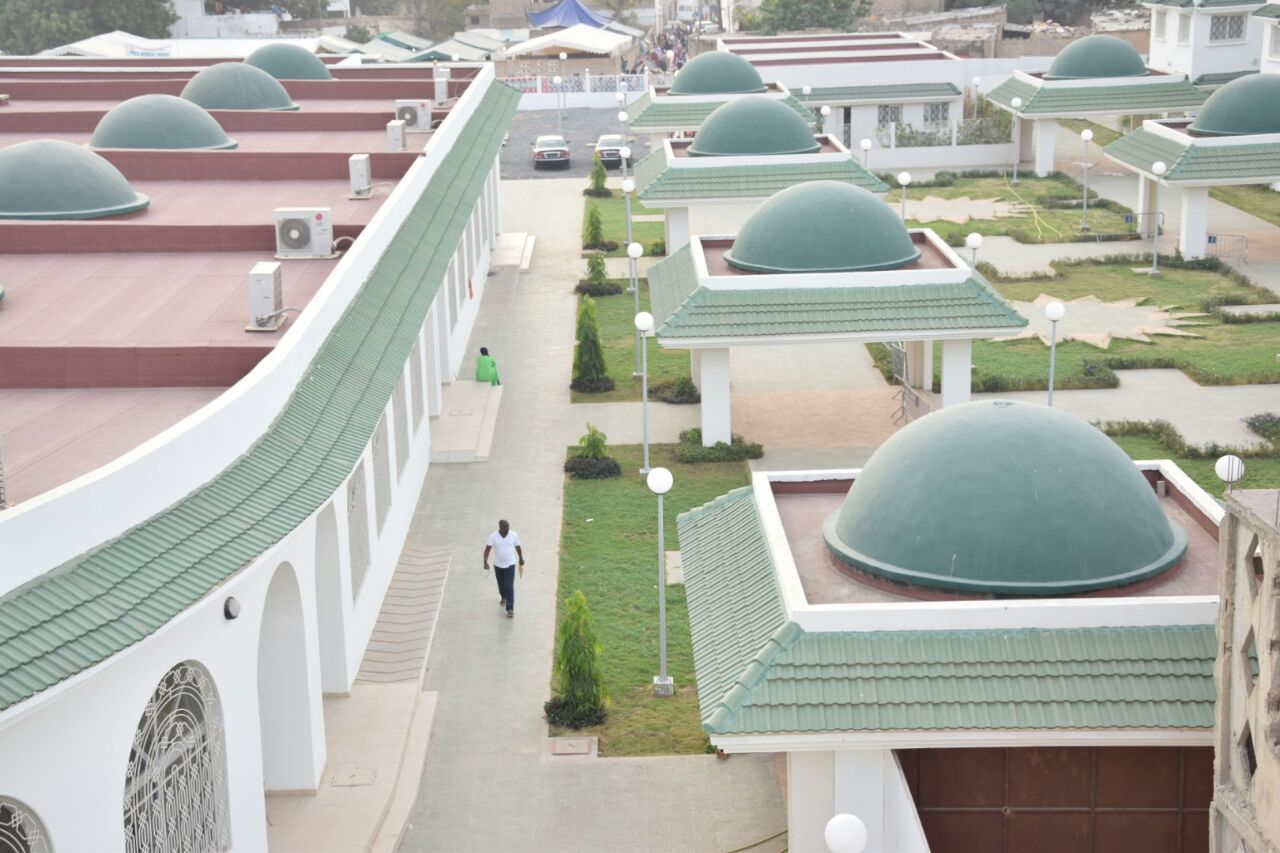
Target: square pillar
[695, 367]
[920, 364]
[832, 123]
[1026, 138]
[957, 371]
[1044, 134]
[811, 799]
[1146, 206]
[676, 228]
[713, 382]
[1195, 222]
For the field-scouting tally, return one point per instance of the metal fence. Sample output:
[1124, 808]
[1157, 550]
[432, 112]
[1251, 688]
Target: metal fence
[544, 84]
[969, 131]
[1230, 247]
[911, 403]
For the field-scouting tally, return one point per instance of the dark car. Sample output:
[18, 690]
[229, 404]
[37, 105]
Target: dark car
[609, 150]
[550, 150]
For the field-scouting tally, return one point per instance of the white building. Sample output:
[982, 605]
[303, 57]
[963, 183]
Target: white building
[1212, 42]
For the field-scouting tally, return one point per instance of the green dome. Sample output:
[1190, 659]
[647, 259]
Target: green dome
[1245, 105]
[753, 125]
[716, 73]
[159, 121]
[236, 86]
[1004, 498]
[54, 179]
[285, 61]
[1097, 56]
[822, 226]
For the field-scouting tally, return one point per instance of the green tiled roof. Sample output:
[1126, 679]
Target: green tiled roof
[1223, 78]
[681, 113]
[1244, 162]
[684, 309]
[758, 673]
[1271, 10]
[102, 602]
[1204, 4]
[887, 93]
[1083, 100]
[755, 181]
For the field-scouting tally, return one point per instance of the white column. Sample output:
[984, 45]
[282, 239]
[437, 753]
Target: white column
[957, 367]
[920, 364]
[713, 369]
[1146, 206]
[1195, 222]
[1026, 139]
[858, 777]
[431, 357]
[677, 229]
[440, 75]
[832, 121]
[695, 367]
[1044, 134]
[810, 800]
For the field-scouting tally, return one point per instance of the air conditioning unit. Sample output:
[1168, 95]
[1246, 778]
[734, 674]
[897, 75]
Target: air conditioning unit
[304, 232]
[416, 115]
[266, 297]
[361, 176]
[395, 135]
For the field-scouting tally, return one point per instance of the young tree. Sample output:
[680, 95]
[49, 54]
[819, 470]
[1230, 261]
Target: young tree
[589, 371]
[29, 26]
[790, 15]
[593, 229]
[598, 178]
[596, 272]
[582, 700]
[358, 33]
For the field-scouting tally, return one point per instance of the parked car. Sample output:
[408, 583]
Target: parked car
[609, 150]
[550, 150]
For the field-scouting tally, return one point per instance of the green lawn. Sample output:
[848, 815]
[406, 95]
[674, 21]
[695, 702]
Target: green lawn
[1259, 200]
[1225, 354]
[618, 334]
[613, 214]
[1102, 135]
[608, 550]
[1042, 224]
[1260, 472]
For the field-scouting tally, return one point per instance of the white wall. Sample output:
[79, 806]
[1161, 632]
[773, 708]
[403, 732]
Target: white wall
[866, 783]
[1198, 55]
[1270, 49]
[194, 23]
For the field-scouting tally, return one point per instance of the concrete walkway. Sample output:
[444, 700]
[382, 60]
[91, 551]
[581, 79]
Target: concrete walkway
[491, 783]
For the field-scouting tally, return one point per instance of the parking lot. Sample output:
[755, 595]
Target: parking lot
[580, 127]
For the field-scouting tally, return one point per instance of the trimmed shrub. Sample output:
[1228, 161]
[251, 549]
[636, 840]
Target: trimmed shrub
[581, 699]
[598, 178]
[586, 468]
[689, 450]
[658, 248]
[604, 288]
[1168, 436]
[1266, 425]
[678, 391]
[590, 374]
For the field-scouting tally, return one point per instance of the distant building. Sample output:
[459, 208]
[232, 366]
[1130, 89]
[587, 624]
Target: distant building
[1211, 41]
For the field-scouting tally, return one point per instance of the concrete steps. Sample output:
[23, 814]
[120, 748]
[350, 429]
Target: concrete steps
[464, 432]
[513, 249]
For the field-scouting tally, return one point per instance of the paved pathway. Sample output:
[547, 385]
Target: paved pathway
[491, 783]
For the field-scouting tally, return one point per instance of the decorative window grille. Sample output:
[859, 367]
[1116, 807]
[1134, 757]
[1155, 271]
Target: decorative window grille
[21, 830]
[402, 426]
[1158, 23]
[357, 529]
[381, 473]
[1184, 29]
[936, 114]
[419, 393]
[175, 786]
[887, 114]
[1226, 27]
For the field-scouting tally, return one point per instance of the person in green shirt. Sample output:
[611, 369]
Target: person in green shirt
[486, 368]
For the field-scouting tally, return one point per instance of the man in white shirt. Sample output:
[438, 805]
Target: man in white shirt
[505, 545]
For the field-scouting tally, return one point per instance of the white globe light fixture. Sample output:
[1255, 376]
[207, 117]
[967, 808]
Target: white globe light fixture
[1086, 135]
[1230, 470]
[625, 152]
[826, 110]
[556, 79]
[644, 322]
[845, 833]
[977, 81]
[622, 116]
[1158, 168]
[628, 186]
[806, 90]
[1055, 311]
[865, 144]
[454, 57]
[904, 180]
[621, 96]
[973, 243]
[659, 481]
[563, 56]
[635, 251]
[1016, 103]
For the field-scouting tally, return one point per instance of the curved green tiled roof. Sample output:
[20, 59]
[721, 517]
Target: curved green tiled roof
[160, 122]
[82, 613]
[716, 72]
[753, 125]
[236, 86]
[1244, 162]
[682, 114]
[1246, 105]
[1097, 56]
[1107, 98]
[1021, 499]
[285, 61]
[822, 226]
[55, 179]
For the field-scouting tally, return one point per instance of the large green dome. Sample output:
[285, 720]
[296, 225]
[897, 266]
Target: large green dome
[717, 72]
[159, 121]
[1097, 56]
[285, 61]
[54, 179]
[753, 125]
[1004, 498]
[822, 226]
[236, 86]
[1245, 105]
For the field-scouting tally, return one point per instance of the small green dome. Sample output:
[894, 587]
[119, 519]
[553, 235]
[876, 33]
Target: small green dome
[285, 61]
[1245, 105]
[753, 125]
[1004, 498]
[717, 73]
[822, 226]
[54, 179]
[1097, 56]
[236, 86]
[159, 121]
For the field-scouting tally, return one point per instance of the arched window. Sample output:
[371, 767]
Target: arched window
[175, 788]
[21, 831]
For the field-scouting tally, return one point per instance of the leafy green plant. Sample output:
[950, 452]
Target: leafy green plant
[590, 374]
[594, 443]
[598, 178]
[593, 229]
[690, 449]
[581, 699]
[1266, 425]
[596, 283]
[596, 273]
[678, 391]
[658, 248]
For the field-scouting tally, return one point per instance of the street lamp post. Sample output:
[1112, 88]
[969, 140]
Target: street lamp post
[634, 252]
[625, 153]
[644, 325]
[904, 180]
[1087, 136]
[1158, 169]
[977, 81]
[1016, 103]
[865, 145]
[1230, 470]
[558, 80]
[1055, 311]
[660, 481]
[973, 243]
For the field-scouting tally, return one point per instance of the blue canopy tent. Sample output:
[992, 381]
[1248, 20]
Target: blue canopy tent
[566, 13]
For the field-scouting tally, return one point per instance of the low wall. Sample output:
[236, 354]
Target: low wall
[940, 157]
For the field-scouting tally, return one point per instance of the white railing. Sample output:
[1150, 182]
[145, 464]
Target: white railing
[540, 91]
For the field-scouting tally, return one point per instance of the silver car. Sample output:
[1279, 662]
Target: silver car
[550, 151]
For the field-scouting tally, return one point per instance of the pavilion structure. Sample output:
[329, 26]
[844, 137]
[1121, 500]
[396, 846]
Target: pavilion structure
[745, 151]
[1234, 140]
[1097, 77]
[822, 261]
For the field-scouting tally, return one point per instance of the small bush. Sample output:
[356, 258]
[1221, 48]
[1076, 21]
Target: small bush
[598, 178]
[592, 386]
[593, 229]
[678, 391]
[581, 699]
[596, 272]
[1169, 437]
[658, 247]
[594, 443]
[690, 450]
[589, 372]
[1266, 425]
[588, 468]
[604, 288]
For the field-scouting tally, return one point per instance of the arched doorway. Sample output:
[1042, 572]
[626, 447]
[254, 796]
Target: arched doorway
[330, 616]
[175, 786]
[289, 760]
